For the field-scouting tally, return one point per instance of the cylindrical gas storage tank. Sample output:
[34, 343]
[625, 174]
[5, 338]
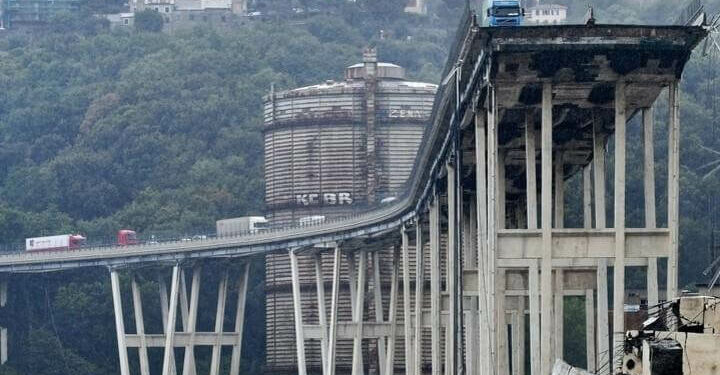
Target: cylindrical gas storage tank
[331, 150]
[340, 147]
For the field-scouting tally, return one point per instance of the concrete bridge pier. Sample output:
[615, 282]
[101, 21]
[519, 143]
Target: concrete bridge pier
[188, 337]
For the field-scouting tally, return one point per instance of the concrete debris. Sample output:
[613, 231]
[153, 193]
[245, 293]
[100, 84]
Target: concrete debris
[562, 368]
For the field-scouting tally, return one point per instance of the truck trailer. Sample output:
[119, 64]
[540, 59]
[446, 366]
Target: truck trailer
[240, 225]
[59, 242]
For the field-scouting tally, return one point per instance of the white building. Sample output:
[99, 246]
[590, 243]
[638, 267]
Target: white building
[416, 6]
[548, 14]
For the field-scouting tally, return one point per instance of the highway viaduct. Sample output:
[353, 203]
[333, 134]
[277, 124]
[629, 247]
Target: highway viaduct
[480, 238]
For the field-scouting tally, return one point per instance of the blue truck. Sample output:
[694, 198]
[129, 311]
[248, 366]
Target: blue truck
[505, 13]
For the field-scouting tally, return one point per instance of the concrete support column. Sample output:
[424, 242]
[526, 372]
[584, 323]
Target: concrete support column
[334, 299]
[483, 263]
[503, 362]
[219, 320]
[492, 219]
[322, 313]
[546, 209]
[419, 292]
[189, 360]
[393, 315]
[649, 188]
[164, 310]
[519, 338]
[599, 171]
[168, 366]
[559, 313]
[619, 187]
[590, 330]
[587, 197]
[673, 189]
[559, 190]
[452, 271]
[297, 313]
[530, 172]
[3, 330]
[357, 367]
[406, 301]
[534, 300]
[379, 311]
[435, 301]
[140, 327]
[501, 189]
[119, 323]
[242, 285]
[603, 335]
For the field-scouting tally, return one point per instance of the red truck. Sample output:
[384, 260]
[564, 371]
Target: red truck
[127, 237]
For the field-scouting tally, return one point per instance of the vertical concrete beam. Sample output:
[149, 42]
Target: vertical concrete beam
[619, 268]
[168, 357]
[390, 364]
[242, 285]
[546, 209]
[534, 300]
[649, 167]
[559, 190]
[435, 301]
[419, 293]
[297, 313]
[379, 312]
[530, 172]
[503, 363]
[162, 288]
[590, 330]
[603, 336]
[492, 218]
[332, 339]
[219, 320]
[119, 323]
[649, 187]
[407, 307]
[451, 347]
[357, 368]
[559, 313]
[587, 197]
[140, 327]
[3, 330]
[322, 313]
[501, 189]
[514, 331]
[519, 345]
[599, 171]
[673, 189]
[481, 199]
[189, 360]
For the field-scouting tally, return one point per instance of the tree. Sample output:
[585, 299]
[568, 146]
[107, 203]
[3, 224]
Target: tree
[149, 20]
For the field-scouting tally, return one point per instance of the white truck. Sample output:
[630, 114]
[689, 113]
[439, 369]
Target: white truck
[241, 225]
[60, 242]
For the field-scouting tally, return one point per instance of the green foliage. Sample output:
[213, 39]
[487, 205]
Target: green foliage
[149, 20]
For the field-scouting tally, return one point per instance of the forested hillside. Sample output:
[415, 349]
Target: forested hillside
[161, 133]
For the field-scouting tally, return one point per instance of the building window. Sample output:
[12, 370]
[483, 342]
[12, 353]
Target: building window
[167, 9]
[126, 21]
[222, 18]
[157, 9]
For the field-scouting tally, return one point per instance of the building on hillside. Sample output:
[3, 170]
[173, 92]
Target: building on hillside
[32, 12]
[184, 13]
[546, 14]
[416, 6]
